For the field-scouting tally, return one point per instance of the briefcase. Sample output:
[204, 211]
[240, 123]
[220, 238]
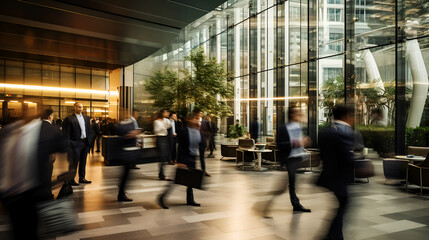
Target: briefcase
[190, 177]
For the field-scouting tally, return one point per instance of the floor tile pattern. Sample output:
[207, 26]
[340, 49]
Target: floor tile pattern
[232, 207]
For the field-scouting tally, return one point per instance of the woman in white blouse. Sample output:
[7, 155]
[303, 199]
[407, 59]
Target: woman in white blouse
[160, 128]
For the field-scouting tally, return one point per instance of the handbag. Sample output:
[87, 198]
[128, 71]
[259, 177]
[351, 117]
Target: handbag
[65, 190]
[56, 217]
[190, 177]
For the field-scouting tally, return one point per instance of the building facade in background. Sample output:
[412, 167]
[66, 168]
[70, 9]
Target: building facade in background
[313, 54]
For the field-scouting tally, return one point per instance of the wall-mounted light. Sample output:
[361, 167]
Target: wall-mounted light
[1, 100]
[71, 102]
[268, 99]
[13, 101]
[57, 89]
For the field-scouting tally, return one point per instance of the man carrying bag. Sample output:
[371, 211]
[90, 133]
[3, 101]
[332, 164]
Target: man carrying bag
[190, 141]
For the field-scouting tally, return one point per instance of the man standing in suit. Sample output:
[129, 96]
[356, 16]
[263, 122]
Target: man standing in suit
[77, 129]
[336, 145]
[290, 142]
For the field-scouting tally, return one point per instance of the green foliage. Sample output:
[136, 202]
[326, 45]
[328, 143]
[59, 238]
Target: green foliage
[236, 131]
[379, 138]
[382, 138]
[200, 86]
[332, 92]
[418, 136]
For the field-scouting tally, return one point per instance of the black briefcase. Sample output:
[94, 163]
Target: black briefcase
[189, 177]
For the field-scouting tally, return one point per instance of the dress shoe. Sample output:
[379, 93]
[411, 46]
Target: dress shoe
[161, 202]
[210, 156]
[135, 167]
[74, 183]
[301, 209]
[84, 181]
[206, 174]
[193, 204]
[166, 179]
[123, 198]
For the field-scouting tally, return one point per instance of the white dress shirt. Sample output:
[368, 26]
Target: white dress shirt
[160, 127]
[81, 121]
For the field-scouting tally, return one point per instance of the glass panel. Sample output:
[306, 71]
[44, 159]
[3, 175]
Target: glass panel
[416, 18]
[51, 78]
[33, 76]
[14, 75]
[375, 24]
[83, 81]
[375, 98]
[331, 28]
[67, 80]
[331, 87]
[416, 97]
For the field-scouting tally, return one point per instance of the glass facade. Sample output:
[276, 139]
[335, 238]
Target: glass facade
[29, 87]
[314, 54]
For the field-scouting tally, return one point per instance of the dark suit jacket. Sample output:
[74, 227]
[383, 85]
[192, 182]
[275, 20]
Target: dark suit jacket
[183, 155]
[95, 129]
[72, 131]
[336, 146]
[50, 141]
[283, 142]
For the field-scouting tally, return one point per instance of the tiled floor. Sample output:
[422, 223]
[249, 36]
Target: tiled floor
[231, 207]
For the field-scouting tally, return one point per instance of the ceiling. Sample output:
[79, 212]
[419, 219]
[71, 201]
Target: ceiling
[104, 34]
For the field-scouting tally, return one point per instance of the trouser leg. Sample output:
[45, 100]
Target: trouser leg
[189, 195]
[292, 164]
[336, 229]
[124, 178]
[82, 160]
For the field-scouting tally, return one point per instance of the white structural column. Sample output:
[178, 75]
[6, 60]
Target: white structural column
[374, 78]
[269, 44]
[259, 64]
[237, 72]
[420, 83]
[286, 56]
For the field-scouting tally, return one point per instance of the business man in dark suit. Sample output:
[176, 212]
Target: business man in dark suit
[47, 118]
[204, 127]
[190, 143]
[336, 145]
[130, 152]
[77, 129]
[29, 144]
[96, 133]
[290, 142]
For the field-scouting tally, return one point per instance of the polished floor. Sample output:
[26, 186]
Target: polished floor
[231, 207]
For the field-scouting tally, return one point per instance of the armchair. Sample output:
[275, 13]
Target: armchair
[243, 154]
[418, 174]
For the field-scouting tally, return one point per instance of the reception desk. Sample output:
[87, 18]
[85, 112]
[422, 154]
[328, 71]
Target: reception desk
[111, 150]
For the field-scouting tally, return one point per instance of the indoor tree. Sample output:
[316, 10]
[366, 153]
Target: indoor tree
[202, 85]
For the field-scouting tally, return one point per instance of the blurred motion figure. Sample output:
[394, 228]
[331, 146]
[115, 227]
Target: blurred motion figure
[290, 142]
[26, 147]
[336, 145]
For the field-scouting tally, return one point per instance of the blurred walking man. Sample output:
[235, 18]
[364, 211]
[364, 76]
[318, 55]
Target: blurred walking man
[291, 142]
[77, 129]
[336, 145]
